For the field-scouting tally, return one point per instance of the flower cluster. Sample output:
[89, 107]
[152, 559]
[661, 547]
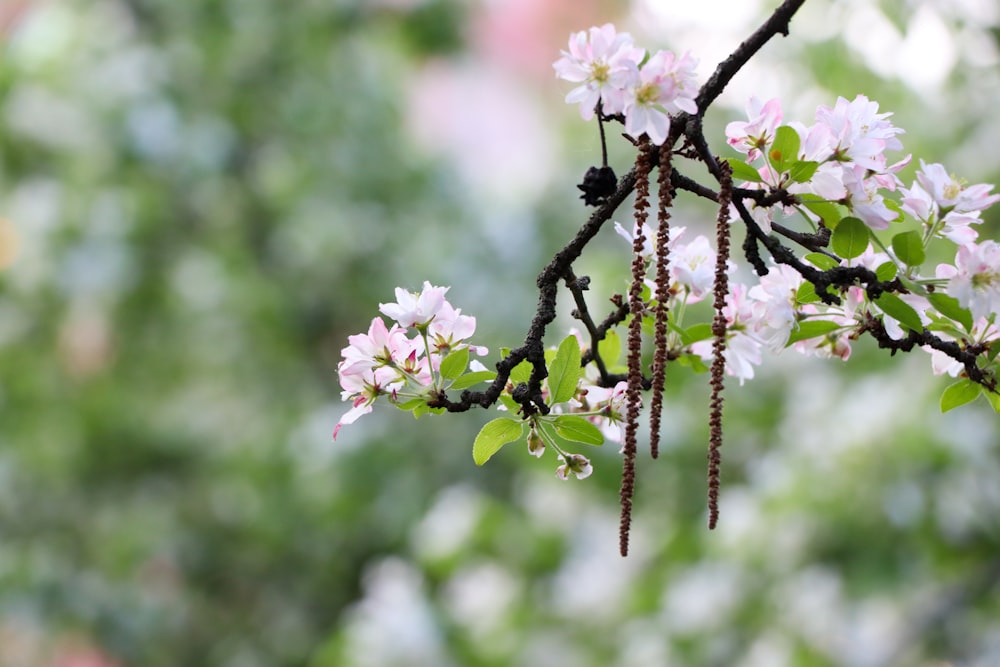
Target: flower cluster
[841, 157]
[839, 164]
[832, 176]
[387, 362]
[616, 76]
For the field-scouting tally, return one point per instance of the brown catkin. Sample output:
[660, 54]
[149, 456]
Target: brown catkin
[719, 344]
[662, 299]
[643, 165]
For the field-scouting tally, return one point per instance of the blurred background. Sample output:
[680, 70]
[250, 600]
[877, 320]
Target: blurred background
[201, 199]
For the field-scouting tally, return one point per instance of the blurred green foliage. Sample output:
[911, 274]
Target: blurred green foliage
[208, 198]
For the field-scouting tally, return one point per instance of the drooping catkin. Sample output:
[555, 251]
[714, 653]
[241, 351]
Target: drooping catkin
[661, 313]
[637, 308]
[718, 370]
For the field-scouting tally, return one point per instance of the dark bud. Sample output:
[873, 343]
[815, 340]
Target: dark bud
[598, 184]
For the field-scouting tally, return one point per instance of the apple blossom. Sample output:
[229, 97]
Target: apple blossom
[859, 133]
[362, 386]
[865, 200]
[975, 278]
[663, 86]
[692, 265]
[743, 348]
[602, 61]
[415, 310]
[753, 136]
[449, 329]
[774, 305]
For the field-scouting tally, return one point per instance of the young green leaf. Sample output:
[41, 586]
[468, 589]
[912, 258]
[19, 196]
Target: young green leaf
[610, 348]
[886, 271]
[473, 378]
[509, 403]
[826, 210]
[802, 170]
[494, 435]
[993, 398]
[564, 371]
[742, 171]
[850, 238]
[578, 429]
[811, 329]
[806, 294]
[521, 372]
[959, 393]
[694, 362]
[899, 310]
[785, 149]
[455, 364]
[950, 308]
[696, 332]
[411, 404]
[821, 261]
[909, 247]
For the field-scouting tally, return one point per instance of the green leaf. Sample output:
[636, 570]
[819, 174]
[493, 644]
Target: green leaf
[610, 348]
[896, 208]
[898, 309]
[806, 294]
[850, 238]
[993, 398]
[411, 404]
[694, 362]
[826, 210]
[742, 171]
[909, 247]
[521, 372]
[473, 378]
[494, 435]
[696, 332]
[811, 329]
[886, 271]
[578, 429]
[950, 308]
[821, 261]
[564, 371]
[959, 393]
[510, 403]
[802, 171]
[785, 150]
[455, 364]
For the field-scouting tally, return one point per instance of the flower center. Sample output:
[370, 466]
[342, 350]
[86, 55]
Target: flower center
[600, 72]
[647, 94]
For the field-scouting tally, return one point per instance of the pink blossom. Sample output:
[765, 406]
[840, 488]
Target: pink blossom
[664, 85]
[415, 309]
[649, 238]
[610, 403]
[450, 329]
[753, 136]
[950, 194]
[774, 310]
[602, 61]
[975, 278]
[380, 346]
[864, 198]
[692, 265]
[362, 386]
[743, 349]
[945, 205]
[859, 132]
